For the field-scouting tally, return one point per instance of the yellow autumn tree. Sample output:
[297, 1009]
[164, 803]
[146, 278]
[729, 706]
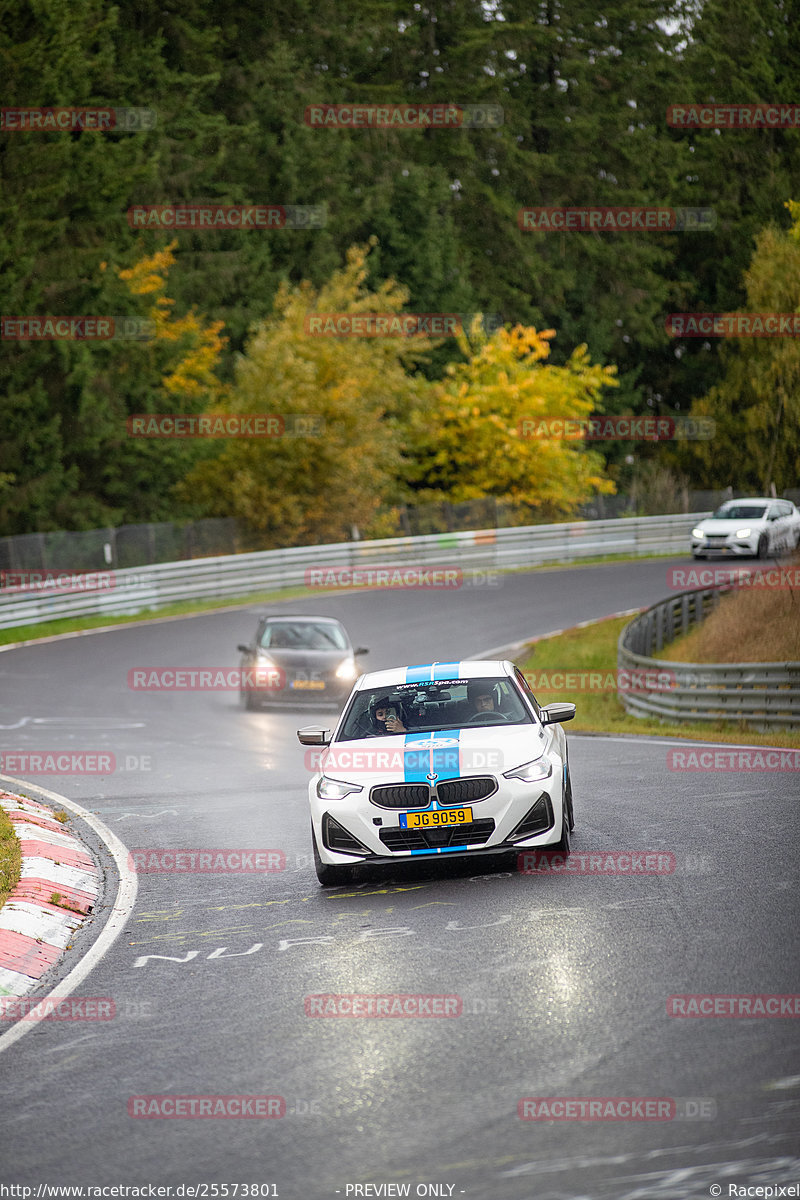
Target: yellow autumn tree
[187, 348]
[343, 401]
[473, 439]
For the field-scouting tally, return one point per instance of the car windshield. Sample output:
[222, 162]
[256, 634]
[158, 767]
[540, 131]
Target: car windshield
[740, 512]
[430, 707]
[303, 635]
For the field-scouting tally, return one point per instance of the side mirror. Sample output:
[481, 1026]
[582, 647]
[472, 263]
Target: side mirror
[243, 649]
[361, 650]
[312, 736]
[554, 714]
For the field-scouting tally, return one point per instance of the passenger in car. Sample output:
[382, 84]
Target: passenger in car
[382, 716]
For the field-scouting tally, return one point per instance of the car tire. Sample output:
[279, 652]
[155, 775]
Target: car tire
[328, 875]
[568, 801]
[763, 546]
[562, 846]
[249, 701]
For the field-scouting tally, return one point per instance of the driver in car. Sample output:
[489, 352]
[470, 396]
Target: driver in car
[481, 696]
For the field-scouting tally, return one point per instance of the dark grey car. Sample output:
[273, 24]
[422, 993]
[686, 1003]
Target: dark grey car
[293, 659]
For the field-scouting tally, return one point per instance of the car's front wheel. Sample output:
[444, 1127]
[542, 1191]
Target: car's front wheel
[568, 801]
[330, 875]
[562, 846]
[763, 546]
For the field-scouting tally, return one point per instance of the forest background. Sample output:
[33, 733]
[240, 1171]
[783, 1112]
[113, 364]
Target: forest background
[420, 221]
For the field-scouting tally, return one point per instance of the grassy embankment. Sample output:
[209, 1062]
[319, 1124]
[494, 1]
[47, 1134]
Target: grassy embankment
[594, 649]
[10, 857]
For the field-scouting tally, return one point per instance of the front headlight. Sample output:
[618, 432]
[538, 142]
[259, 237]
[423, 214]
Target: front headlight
[267, 672]
[336, 789]
[698, 533]
[531, 772]
[743, 532]
[347, 669]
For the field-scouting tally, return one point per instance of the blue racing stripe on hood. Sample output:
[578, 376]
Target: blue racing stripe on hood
[430, 672]
[446, 670]
[421, 674]
[431, 753]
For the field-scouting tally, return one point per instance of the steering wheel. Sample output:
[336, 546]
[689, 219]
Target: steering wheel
[487, 718]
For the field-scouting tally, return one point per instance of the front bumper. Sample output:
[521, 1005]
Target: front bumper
[496, 820]
[731, 547]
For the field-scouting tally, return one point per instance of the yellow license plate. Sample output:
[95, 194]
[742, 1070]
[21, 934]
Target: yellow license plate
[436, 818]
[317, 685]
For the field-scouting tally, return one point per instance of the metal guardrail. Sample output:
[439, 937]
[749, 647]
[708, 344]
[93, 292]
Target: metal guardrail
[473, 552]
[762, 695]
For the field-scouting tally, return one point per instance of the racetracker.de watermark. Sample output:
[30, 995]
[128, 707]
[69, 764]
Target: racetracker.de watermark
[403, 116]
[446, 756]
[597, 862]
[617, 1108]
[685, 578]
[753, 324]
[388, 1005]
[734, 116]
[76, 329]
[57, 762]
[597, 1108]
[57, 1008]
[77, 120]
[399, 577]
[52, 582]
[733, 759]
[629, 428]
[389, 324]
[206, 1107]
[206, 679]
[764, 1004]
[234, 425]
[209, 861]
[626, 219]
[201, 217]
[554, 679]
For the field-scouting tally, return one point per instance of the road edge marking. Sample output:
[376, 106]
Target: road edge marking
[120, 911]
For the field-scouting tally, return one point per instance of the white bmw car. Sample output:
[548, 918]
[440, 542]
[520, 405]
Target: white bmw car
[453, 758]
[751, 528]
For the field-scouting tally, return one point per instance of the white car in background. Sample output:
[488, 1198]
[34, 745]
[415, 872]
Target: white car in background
[755, 527]
[441, 759]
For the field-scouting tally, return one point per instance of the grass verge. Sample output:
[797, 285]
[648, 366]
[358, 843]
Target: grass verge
[185, 608]
[10, 857]
[594, 649]
[762, 625]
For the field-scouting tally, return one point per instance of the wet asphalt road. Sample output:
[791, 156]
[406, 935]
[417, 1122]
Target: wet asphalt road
[563, 980]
